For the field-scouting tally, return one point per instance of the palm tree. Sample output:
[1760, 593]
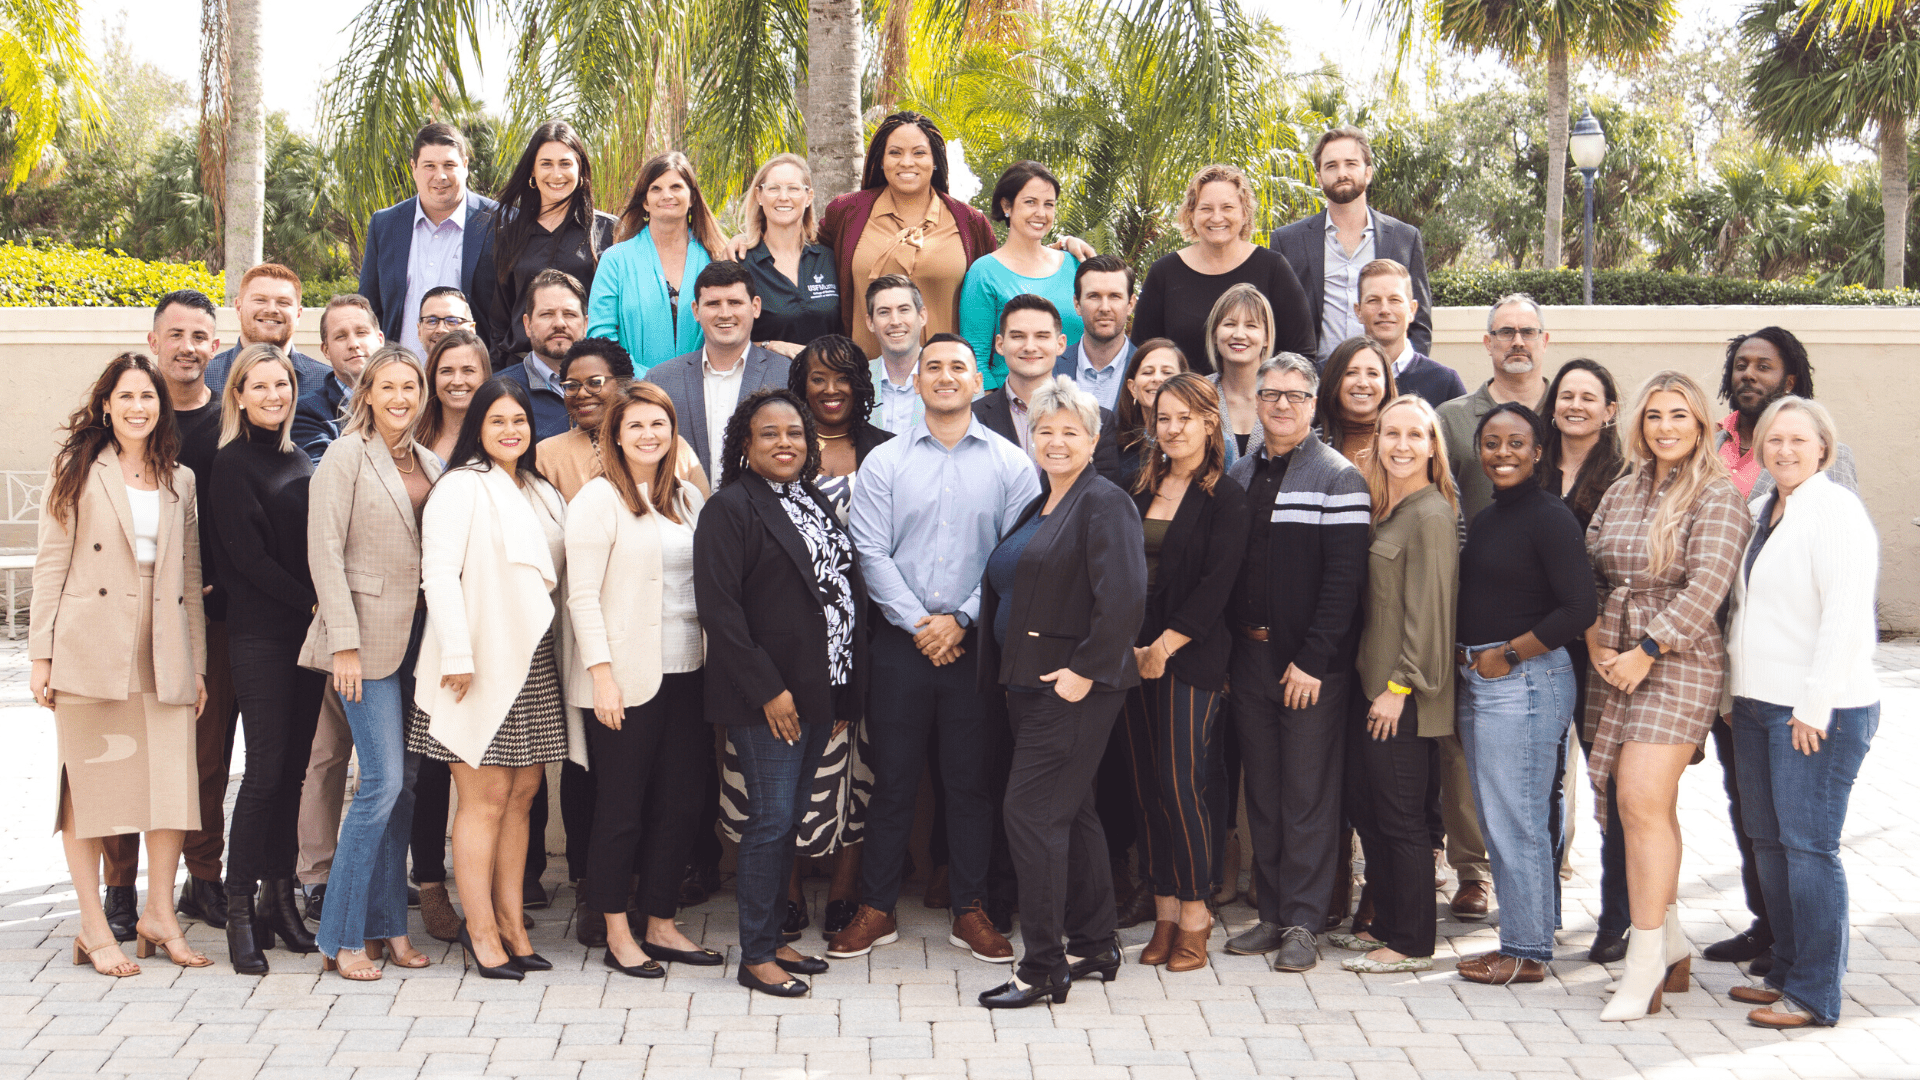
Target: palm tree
[44, 72]
[1524, 32]
[1818, 76]
[245, 204]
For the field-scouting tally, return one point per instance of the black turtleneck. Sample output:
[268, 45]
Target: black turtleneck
[1525, 568]
[260, 520]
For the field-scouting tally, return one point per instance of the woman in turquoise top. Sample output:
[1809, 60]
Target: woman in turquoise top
[1025, 199]
[666, 236]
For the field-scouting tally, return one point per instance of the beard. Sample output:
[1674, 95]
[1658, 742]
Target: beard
[1516, 363]
[1344, 192]
[1753, 412]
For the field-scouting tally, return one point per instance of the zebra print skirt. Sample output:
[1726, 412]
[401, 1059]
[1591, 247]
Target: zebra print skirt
[837, 810]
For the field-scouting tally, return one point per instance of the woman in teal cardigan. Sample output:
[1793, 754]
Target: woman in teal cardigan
[1025, 199]
[667, 234]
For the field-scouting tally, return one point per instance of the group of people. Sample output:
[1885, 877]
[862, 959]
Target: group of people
[748, 531]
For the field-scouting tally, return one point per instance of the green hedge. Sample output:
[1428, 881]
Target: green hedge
[316, 293]
[1479, 288]
[74, 277]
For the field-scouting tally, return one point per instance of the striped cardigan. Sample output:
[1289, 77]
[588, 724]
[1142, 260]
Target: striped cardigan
[1317, 576]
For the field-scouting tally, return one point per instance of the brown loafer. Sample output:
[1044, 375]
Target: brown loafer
[1755, 995]
[870, 927]
[1160, 945]
[1190, 949]
[1499, 969]
[1770, 1017]
[1470, 901]
[974, 932]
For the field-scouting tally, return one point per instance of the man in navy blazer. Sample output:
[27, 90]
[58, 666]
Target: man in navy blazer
[348, 338]
[725, 303]
[435, 238]
[1328, 250]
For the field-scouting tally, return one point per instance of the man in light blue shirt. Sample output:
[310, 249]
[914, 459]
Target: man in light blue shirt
[928, 510]
[1103, 298]
[897, 317]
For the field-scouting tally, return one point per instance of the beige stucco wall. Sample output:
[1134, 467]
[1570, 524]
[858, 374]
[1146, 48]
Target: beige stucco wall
[1864, 362]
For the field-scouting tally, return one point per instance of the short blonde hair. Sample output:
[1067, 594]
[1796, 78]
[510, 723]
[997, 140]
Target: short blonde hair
[232, 416]
[360, 410]
[1245, 298]
[1217, 174]
[1061, 392]
[756, 226]
[1823, 426]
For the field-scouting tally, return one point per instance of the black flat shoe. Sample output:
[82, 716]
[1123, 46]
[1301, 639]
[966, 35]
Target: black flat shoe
[692, 957]
[1105, 964]
[122, 906]
[504, 971]
[1761, 966]
[1738, 949]
[796, 922]
[1009, 995]
[1607, 948]
[806, 965]
[647, 969]
[1001, 913]
[837, 917]
[530, 962]
[316, 902]
[790, 989]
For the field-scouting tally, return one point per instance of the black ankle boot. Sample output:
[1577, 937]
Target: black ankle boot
[243, 944]
[204, 900]
[123, 904]
[277, 914]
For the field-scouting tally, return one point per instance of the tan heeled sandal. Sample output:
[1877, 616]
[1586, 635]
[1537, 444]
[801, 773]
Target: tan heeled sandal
[367, 972]
[148, 943]
[377, 949]
[83, 957]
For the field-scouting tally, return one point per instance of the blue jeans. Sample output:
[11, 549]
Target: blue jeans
[1512, 730]
[367, 888]
[778, 776]
[1793, 806]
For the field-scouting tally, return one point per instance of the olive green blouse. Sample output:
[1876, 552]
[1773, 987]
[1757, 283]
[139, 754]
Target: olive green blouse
[1413, 579]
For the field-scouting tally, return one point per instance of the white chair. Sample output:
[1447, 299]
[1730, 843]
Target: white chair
[21, 506]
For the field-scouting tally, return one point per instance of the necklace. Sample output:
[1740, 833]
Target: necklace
[824, 435]
[407, 457]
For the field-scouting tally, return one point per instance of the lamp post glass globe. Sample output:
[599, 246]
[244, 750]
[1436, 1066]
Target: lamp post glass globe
[1588, 145]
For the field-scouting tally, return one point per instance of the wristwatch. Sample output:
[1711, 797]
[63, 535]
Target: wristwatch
[960, 618]
[1650, 647]
[1512, 655]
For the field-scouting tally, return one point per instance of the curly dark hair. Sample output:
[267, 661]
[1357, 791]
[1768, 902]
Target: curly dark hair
[836, 352]
[1792, 354]
[733, 448]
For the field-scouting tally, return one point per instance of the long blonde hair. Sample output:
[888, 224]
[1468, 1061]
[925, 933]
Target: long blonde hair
[1691, 477]
[232, 415]
[360, 409]
[1438, 471]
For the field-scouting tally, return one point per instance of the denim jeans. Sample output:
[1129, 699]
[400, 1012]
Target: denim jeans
[1512, 730]
[1793, 805]
[367, 887]
[778, 775]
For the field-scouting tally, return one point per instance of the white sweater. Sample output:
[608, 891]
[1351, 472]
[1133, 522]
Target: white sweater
[1802, 631]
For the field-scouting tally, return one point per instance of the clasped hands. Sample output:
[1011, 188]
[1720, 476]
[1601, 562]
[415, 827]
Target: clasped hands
[938, 638]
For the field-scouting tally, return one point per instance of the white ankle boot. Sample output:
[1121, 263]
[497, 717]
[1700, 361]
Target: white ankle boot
[1638, 991]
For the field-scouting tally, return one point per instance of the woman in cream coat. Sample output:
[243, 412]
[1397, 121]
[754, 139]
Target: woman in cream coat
[119, 651]
[637, 668]
[487, 691]
[363, 547]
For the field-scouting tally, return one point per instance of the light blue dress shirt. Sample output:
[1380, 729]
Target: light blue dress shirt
[1340, 288]
[925, 518]
[895, 408]
[1102, 383]
[433, 260]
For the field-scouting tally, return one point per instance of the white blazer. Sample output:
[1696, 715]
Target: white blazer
[1802, 631]
[489, 576]
[614, 591]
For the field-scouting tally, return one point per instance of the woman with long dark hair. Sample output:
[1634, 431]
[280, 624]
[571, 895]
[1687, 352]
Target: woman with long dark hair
[1151, 365]
[546, 221]
[118, 648]
[1355, 385]
[457, 366]
[642, 296]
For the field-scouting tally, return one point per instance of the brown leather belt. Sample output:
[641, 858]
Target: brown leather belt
[1252, 633]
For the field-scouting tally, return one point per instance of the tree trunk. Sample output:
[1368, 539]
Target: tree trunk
[832, 102]
[893, 53]
[1893, 200]
[1550, 256]
[246, 146]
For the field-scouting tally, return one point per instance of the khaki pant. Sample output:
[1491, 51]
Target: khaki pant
[324, 792]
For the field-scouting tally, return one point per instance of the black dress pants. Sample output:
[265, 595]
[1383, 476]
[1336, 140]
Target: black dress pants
[279, 710]
[1387, 786]
[648, 803]
[1053, 829]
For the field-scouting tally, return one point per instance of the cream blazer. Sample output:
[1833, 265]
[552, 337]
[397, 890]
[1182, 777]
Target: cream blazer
[614, 592]
[86, 590]
[488, 575]
[363, 548]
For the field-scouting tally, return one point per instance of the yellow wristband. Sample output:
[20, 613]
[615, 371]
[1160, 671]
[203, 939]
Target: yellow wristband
[1397, 688]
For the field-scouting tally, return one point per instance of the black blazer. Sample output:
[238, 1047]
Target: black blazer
[1080, 592]
[996, 415]
[764, 616]
[1304, 243]
[866, 436]
[1199, 562]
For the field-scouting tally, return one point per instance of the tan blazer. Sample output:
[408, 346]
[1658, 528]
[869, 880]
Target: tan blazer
[363, 547]
[86, 591]
[614, 592]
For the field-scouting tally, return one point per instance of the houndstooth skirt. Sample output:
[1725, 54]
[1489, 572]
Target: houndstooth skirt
[534, 732]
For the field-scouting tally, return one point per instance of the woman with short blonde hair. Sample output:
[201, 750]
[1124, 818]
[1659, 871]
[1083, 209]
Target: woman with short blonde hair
[1239, 337]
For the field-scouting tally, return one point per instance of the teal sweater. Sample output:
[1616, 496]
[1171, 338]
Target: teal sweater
[989, 286]
[629, 302]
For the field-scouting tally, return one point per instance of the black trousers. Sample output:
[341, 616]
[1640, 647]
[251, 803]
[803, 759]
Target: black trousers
[1169, 733]
[646, 812]
[1053, 830]
[1387, 785]
[1293, 767]
[1749, 873]
[1115, 797]
[279, 710]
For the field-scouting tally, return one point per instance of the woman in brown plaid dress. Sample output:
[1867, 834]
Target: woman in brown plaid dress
[1665, 544]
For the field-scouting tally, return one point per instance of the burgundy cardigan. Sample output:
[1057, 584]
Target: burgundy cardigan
[846, 218]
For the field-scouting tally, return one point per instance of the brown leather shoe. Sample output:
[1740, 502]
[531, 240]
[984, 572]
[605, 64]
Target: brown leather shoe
[1160, 945]
[1470, 901]
[1770, 1017]
[1499, 969]
[1755, 995]
[869, 927]
[974, 932]
[937, 894]
[436, 912]
[1190, 949]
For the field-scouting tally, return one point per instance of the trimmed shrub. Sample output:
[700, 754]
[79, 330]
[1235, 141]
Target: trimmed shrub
[316, 293]
[1479, 288]
[61, 276]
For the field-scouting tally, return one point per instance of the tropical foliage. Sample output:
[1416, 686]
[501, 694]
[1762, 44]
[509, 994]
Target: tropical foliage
[63, 276]
[47, 82]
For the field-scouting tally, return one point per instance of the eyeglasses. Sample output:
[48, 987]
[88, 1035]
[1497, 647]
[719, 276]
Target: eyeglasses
[1524, 333]
[592, 382]
[1295, 398]
[451, 322]
[790, 190]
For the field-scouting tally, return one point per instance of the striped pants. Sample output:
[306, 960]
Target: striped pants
[1171, 733]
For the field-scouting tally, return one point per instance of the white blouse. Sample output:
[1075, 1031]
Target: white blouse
[146, 525]
[681, 647]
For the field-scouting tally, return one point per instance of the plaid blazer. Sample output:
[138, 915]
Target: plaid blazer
[363, 547]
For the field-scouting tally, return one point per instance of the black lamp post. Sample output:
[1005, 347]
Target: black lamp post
[1588, 145]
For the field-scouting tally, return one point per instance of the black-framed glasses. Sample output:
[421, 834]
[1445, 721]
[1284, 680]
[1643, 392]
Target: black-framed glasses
[451, 322]
[593, 382]
[1524, 333]
[1294, 397]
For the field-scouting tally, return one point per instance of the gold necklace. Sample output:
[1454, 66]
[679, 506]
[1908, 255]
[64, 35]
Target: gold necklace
[408, 456]
[824, 435]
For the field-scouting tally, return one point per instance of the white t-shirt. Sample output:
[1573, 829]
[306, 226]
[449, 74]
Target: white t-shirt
[146, 524]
